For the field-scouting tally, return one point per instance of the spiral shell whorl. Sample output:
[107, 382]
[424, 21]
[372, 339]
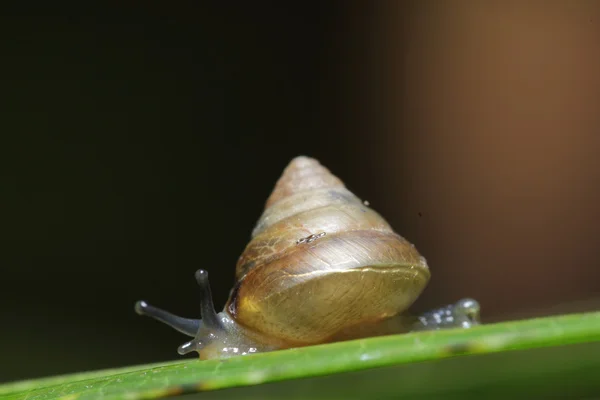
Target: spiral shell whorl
[302, 174]
[305, 189]
[307, 200]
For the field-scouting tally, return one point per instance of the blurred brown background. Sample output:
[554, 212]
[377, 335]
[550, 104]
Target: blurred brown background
[139, 144]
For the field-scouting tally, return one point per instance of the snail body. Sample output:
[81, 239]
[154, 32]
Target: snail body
[321, 266]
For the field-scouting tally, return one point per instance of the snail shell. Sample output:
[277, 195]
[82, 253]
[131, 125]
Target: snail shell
[320, 264]
[358, 272]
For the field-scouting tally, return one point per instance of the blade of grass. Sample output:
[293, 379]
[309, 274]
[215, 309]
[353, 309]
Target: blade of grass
[190, 376]
[552, 372]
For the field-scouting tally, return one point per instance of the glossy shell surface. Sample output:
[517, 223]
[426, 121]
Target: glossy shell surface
[321, 261]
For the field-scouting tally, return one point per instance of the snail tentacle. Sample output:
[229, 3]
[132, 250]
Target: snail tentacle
[187, 326]
[207, 308]
[210, 325]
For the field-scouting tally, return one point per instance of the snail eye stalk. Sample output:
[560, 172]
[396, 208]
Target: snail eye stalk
[207, 308]
[187, 326]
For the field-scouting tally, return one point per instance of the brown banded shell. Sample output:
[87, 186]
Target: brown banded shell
[355, 270]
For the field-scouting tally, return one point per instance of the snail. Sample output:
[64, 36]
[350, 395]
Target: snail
[321, 267]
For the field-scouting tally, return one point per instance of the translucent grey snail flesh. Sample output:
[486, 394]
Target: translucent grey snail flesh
[321, 267]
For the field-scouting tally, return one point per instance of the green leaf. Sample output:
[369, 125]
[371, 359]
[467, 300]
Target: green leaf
[558, 356]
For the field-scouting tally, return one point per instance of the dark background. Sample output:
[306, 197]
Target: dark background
[140, 142]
